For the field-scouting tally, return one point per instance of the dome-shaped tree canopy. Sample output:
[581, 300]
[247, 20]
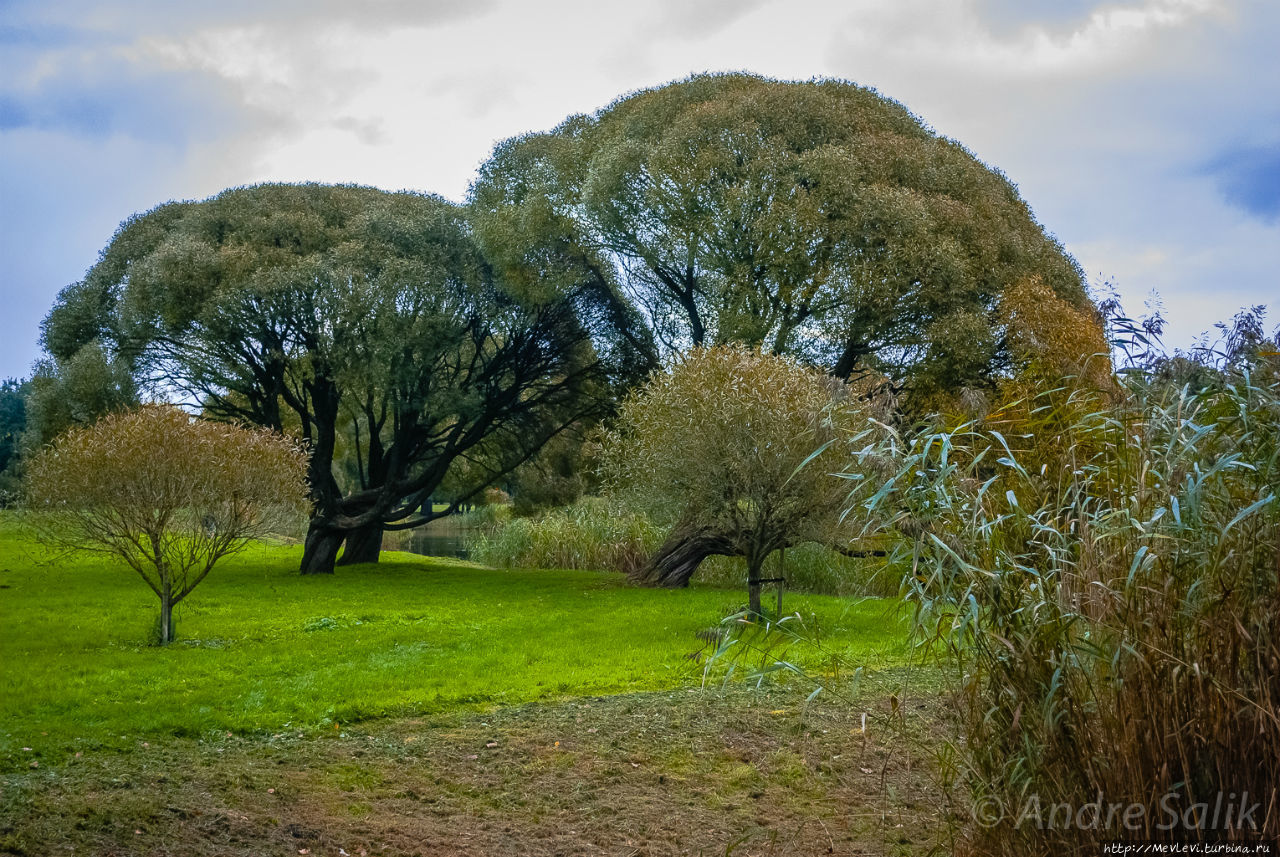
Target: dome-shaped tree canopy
[819, 219]
[373, 324]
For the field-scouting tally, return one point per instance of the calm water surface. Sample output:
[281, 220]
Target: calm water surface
[439, 542]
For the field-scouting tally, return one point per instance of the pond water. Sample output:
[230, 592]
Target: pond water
[448, 543]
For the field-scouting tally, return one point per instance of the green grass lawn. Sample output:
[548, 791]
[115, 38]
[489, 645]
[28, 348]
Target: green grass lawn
[262, 649]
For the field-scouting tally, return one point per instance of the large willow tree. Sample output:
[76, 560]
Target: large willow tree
[816, 219]
[373, 324]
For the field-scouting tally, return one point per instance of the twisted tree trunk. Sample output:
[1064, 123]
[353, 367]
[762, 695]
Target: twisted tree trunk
[363, 545]
[675, 561]
[320, 549]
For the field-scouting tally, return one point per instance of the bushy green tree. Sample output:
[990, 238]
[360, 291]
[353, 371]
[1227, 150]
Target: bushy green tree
[735, 447]
[13, 423]
[168, 494]
[817, 219]
[561, 473]
[76, 389]
[373, 323]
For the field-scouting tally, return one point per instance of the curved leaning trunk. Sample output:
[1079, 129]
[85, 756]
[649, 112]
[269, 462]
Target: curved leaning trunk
[673, 564]
[363, 545]
[676, 560]
[320, 549]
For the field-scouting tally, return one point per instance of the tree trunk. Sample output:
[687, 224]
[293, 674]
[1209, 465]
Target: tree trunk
[755, 564]
[675, 561]
[854, 350]
[320, 550]
[166, 617]
[782, 577]
[363, 545]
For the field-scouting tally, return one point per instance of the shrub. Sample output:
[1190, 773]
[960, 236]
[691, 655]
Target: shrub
[814, 568]
[735, 446]
[590, 534]
[168, 494]
[599, 535]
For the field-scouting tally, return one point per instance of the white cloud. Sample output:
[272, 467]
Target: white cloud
[1128, 125]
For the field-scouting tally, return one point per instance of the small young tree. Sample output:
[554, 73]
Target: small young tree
[169, 494]
[737, 447]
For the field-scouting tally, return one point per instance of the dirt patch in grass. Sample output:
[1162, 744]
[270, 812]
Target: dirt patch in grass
[681, 773]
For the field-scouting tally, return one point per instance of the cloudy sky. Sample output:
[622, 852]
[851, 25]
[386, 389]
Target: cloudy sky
[1145, 134]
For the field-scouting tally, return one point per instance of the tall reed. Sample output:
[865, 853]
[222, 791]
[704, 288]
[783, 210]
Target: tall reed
[597, 534]
[589, 534]
[1102, 570]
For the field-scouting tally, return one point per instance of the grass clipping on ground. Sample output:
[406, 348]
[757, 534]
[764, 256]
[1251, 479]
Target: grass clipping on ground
[676, 772]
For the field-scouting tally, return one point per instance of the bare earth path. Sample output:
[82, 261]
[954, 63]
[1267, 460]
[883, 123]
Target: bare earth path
[680, 773]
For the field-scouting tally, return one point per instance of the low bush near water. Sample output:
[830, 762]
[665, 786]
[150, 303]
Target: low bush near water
[593, 534]
[813, 568]
[590, 534]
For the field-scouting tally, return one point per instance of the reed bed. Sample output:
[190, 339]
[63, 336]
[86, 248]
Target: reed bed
[1101, 569]
[600, 535]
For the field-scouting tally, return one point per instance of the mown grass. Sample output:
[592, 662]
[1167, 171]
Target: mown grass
[262, 649]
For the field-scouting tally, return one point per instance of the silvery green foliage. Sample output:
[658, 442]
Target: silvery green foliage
[818, 218]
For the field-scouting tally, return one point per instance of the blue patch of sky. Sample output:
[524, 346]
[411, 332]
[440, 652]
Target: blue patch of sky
[14, 36]
[111, 98]
[1248, 178]
[13, 113]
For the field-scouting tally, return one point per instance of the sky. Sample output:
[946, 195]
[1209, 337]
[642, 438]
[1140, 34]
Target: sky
[1145, 134]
